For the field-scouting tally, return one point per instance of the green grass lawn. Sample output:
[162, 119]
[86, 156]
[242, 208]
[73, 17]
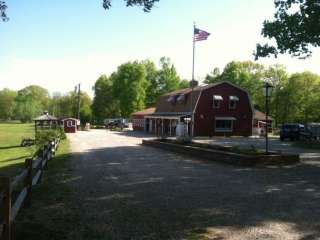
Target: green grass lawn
[52, 214]
[12, 156]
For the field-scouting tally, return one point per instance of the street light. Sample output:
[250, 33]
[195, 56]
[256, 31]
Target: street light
[267, 90]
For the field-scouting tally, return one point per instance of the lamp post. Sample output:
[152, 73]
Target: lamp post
[267, 90]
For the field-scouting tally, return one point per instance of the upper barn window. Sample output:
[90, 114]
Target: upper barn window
[216, 101]
[233, 102]
[181, 98]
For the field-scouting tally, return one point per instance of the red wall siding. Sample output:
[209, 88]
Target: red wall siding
[70, 129]
[138, 122]
[205, 113]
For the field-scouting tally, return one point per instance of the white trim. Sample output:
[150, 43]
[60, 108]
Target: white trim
[233, 98]
[165, 117]
[217, 97]
[226, 118]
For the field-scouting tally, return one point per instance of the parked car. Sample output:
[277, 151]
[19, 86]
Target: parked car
[292, 131]
[112, 123]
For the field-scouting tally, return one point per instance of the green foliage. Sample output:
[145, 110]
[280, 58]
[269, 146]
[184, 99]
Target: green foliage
[184, 84]
[129, 84]
[146, 4]
[295, 29]
[30, 102]
[46, 135]
[152, 83]
[67, 106]
[7, 103]
[105, 104]
[294, 98]
[247, 75]
[168, 78]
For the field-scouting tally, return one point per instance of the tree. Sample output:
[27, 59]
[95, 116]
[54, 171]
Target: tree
[247, 74]
[152, 91]
[295, 29]
[7, 98]
[147, 5]
[3, 8]
[168, 79]
[213, 77]
[85, 107]
[184, 84]
[129, 85]
[104, 105]
[30, 102]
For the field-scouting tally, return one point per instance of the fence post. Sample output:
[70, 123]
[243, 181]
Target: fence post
[6, 208]
[45, 156]
[28, 181]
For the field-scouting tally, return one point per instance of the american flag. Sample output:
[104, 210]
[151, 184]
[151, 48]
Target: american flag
[200, 35]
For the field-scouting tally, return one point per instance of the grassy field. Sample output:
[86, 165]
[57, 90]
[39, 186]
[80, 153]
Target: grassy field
[12, 156]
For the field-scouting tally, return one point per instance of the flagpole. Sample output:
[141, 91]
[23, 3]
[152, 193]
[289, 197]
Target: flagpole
[192, 82]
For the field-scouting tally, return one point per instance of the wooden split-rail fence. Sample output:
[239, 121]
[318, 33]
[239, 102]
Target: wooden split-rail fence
[30, 176]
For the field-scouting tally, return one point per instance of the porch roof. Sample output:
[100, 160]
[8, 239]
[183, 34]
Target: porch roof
[168, 115]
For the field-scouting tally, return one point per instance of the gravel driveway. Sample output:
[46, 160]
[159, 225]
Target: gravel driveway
[128, 191]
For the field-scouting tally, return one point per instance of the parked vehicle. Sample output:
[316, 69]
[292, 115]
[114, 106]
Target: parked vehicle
[293, 131]
[112, 123]
[314, 130]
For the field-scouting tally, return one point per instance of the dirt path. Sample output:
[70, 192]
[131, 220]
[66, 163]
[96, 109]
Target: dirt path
[127, 191]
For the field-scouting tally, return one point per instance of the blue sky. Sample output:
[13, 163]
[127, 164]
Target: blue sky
[57, 44]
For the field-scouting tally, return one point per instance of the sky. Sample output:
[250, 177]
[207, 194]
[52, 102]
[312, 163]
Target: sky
[58, 44]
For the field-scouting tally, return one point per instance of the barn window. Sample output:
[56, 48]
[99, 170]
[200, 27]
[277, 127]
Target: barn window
[216, 101]
[172, 99]
[224, 124]
[233, 102]
[181, 98]
[70, 123]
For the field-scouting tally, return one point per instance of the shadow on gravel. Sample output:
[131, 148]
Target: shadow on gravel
[135, 134]
[145, 193]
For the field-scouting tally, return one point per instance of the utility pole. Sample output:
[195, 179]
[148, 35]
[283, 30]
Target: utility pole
[78, 101]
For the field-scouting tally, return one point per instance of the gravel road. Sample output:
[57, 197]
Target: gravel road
[127, 191]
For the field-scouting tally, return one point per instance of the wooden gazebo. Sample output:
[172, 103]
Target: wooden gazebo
[46, 121]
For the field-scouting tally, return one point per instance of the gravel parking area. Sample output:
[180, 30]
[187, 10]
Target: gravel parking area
[128, 191]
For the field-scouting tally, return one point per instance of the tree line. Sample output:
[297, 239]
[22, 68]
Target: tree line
[295, 97]
[137, 85]
[31, 101]
[134, 86]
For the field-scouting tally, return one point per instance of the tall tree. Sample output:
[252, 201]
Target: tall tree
[184, 84]
[247, 74]
[152, 91]
[129, 85]
[213, 77]
[7, 98]
[168, 79]
[105, 104]
[295, 29]
[30, 102]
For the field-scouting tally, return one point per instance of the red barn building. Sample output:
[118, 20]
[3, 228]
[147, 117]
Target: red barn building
[70, 125]
[139, 121]
[218, 109]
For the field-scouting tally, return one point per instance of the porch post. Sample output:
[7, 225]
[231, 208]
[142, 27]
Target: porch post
[161, 127]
